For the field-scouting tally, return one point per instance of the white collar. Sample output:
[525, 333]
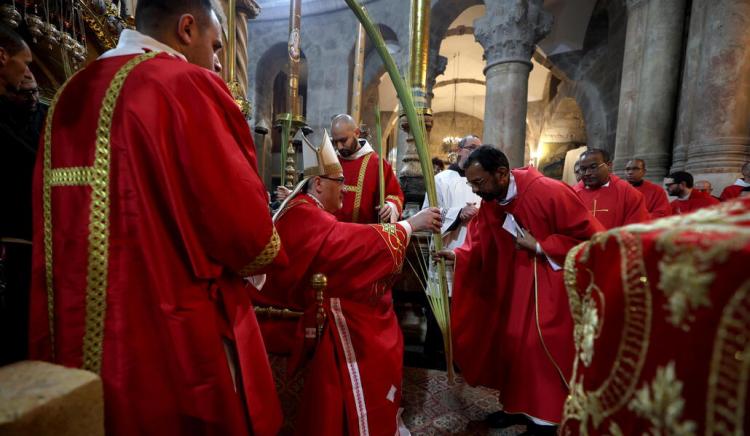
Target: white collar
[512, 191]
[606, 185]
[134, 42]
[741, 182]
[365, 148]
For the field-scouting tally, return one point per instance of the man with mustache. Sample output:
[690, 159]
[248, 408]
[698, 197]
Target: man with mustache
[512, 328]
[610, 199]
[360, 164]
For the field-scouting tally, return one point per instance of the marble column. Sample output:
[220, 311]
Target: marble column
[649, 87]
[508, 32]
[719, 125]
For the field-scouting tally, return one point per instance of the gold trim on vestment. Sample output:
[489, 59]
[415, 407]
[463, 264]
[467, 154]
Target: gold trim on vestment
[616, 390]
[269, 253]
[360, 184]
[74, 176]
[395, 199]
[97, 177]
[730, 367]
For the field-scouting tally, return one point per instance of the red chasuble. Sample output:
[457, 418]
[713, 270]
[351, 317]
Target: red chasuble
[361, 195]
[656, 199]
[696, 200]
[615, 205]
[513, 332]
[146, 196]
[353, 379]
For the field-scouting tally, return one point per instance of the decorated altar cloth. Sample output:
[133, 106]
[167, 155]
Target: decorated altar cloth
[662, 326]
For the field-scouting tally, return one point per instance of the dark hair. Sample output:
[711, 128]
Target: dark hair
[682, 176]
[151, 14]
[438, 163]
[11, 41]
[603, 153]
[488, 157]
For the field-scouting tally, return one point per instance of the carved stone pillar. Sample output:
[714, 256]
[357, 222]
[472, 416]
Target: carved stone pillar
[508, 32]
[650, 77]
[715, 125]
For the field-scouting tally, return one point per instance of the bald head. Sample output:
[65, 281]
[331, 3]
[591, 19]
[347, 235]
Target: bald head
[345, 132]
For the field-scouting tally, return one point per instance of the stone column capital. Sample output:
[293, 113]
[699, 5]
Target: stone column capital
[510, 29]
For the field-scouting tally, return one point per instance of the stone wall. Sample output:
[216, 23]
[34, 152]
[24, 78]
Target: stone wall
[443, 126]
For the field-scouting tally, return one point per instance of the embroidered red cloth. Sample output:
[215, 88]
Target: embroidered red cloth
[662, 326]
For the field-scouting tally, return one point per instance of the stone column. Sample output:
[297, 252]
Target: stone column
[648, 91]
[719, 135]
[508, 32]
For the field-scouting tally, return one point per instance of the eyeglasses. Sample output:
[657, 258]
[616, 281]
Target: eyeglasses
[591, 169]
[340, 179]
[471, 147]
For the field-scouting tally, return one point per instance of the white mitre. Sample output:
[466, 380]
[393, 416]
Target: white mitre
[316, 161]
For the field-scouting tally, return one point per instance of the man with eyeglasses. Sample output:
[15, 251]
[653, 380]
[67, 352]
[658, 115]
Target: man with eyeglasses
[680, 184]
[360, 164]
[512, 328]
[654, 195]
[352, 359]
[610, 199]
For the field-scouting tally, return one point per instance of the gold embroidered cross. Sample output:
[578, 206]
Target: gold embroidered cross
[598, 210]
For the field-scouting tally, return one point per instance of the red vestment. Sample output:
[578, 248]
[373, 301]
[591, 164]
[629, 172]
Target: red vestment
[353, 380]
[499, 317]
[660, 312]
[696, 200]
[733, 191]
[615, 205]
[656, 199]
[144, 202]
[361, 195]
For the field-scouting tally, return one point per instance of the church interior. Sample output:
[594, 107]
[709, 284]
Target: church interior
[658, 309]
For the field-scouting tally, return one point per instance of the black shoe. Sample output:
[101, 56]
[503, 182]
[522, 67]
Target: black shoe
[501, 419]
[539, 430]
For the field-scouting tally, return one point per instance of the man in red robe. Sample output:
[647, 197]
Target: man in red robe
[352, 382]
[147, 210]
[361, 191]
[680, 184]
[654, 195]
[610, 199]
[741, 184]
[512, 328]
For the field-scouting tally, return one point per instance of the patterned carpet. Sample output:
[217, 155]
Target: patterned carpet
[434, 407]
[431, 405]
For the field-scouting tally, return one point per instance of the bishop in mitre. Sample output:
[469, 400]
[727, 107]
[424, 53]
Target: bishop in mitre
[353, 357]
